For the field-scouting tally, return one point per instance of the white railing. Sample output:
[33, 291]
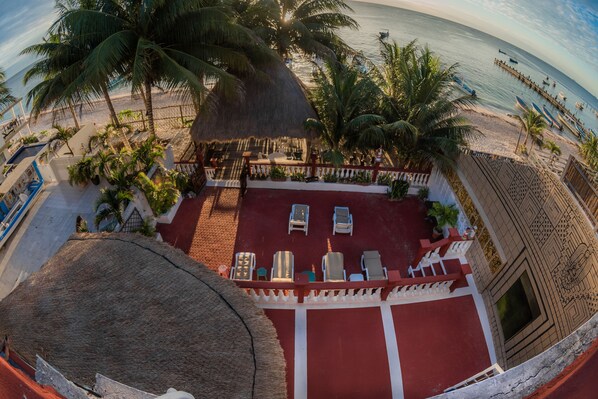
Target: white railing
[347, 292]
[415, 290]
[458, 248]
[210, 172]
[343, 173]
[490, 372]
[186, 168]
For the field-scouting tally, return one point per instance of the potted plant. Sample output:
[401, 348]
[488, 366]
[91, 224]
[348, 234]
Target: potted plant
[423, 193]
[277, 173]
[384, 179]
[82, 172]
[446, 217]
[398, 190]
[330, 178]
[298, 176]
[362, 177]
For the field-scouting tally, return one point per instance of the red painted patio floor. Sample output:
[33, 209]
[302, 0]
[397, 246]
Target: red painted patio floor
[440, 343]
[217, 224]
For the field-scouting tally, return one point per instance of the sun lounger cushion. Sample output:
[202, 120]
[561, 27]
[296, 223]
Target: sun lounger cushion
[335, 266]
[299, 213]
[243, 266]
[372, 263]
[282, 269]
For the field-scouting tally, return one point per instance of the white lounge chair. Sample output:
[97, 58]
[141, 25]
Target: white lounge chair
[333, 267]
[371, 264]
[299, 218]
[425, 262]
[342, 220]
[283, 267]
[244, 266]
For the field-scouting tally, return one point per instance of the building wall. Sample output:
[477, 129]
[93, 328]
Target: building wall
[537, 227]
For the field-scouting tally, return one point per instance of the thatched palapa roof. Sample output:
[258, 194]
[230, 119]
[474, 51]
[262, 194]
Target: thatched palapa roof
[144, 314]
[274, 105]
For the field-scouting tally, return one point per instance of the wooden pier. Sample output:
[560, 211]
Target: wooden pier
[532, 85]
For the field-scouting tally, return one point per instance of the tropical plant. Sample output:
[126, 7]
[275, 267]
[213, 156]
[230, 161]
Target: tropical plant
[446, 215]
[147, 228]
[147, 154]
[298, 176]
[111, 205]
[277, 173]
[5, 97]
[297, 26]
[533, 124]
[362, 177]
[398, 190]
[423, 193]
[345, 101]
[330, 177]
[62, 136]
[555, 150]
[176, 45]
[82, 172]
[30, 139]
[424, 123]
[161, 196]
[384, 179]
[589, 151]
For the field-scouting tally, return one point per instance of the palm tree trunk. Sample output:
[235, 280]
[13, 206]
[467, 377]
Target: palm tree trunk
[148, 108]
[74, 115]
[110, 106]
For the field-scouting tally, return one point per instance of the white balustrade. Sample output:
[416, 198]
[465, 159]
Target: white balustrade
[351, 295]
[271, 296]
[414, 290]
[186, 168]
[210, 172]
[458, 248]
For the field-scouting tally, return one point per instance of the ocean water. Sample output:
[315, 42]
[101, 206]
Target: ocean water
[473, 50]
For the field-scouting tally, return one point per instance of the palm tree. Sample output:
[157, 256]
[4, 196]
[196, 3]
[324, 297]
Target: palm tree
[5, 97]
[146, 154]
[176, 44]
[555, 150]
[589, 151]
[533, 124]
[161, 196]
[62, 136]
[111, 205]
[424, 121]
[345, 101]
[297, 26]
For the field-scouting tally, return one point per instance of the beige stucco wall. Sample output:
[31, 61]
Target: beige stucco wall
[537, 227]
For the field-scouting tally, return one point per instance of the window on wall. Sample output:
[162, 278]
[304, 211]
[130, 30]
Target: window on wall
[517, 307]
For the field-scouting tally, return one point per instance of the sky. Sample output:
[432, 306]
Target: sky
[563, 33]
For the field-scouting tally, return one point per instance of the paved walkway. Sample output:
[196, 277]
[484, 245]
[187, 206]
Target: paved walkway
[43, 231]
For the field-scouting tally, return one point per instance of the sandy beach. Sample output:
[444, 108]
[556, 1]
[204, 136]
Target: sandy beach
[498, 133]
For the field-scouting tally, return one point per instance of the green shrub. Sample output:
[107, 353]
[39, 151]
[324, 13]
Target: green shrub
[423, 193]
[446, 215]
[277, 173]
[362, 177]
[384, 179]
[330, 178]
[29, 139]
[298, 176]
[398, 189]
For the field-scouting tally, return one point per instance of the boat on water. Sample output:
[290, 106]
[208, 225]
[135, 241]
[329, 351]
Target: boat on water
[522, 104]
[579, 106]
[545, 82]
[582, 132]
[502, 52]
[555, 123]
[563, 96]
[568, 123]
[384, 33]
[539, 110]
[513, 60]
[463, 86]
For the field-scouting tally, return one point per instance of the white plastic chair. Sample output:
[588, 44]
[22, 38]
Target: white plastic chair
[342, 220]
[299, 218]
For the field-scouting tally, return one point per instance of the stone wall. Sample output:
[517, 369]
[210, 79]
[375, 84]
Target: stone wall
[536, 227]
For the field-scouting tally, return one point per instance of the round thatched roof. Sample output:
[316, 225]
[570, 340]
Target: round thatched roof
[144, 314]
[274, 105]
